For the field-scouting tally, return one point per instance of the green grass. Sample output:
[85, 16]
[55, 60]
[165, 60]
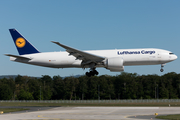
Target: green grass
[8, 110]
[170, 117]
[88, 104]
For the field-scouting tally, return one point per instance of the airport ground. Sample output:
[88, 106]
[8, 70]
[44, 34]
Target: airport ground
[91, 113]
[110, 111]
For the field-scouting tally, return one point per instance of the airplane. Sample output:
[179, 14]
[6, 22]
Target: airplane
[113, 60]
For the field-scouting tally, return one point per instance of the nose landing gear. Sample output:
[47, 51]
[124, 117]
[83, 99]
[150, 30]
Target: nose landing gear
[162, 65]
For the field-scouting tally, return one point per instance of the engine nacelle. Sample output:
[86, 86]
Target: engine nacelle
[114, 64]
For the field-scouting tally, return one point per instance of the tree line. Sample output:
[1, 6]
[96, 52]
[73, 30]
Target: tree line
[123, 86]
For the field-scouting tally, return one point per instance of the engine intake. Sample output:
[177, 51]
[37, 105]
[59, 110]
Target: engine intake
[114, 64]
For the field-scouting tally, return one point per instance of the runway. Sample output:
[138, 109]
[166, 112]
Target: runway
[93, 113]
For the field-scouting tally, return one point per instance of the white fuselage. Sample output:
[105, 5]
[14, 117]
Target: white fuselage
[130, 57]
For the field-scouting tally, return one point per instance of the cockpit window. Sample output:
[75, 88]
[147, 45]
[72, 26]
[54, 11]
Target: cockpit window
[171, 53]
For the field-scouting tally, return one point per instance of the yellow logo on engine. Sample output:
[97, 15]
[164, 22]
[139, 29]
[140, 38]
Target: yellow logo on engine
[20, 42]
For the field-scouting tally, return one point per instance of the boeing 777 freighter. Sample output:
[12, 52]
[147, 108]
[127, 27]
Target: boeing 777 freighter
[113, 60]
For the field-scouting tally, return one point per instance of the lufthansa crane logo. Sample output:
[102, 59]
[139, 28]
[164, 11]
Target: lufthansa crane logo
[20, 42]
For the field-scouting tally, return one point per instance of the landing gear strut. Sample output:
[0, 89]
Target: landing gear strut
[162, 65]
[92, 72]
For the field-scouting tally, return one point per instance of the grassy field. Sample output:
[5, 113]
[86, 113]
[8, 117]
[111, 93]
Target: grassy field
[169, 117]
[8, 110]
[88, 104]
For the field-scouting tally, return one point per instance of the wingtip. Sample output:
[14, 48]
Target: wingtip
[7, 54]
[54, 42]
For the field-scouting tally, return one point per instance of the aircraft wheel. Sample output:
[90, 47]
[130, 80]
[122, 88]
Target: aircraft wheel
[92, 73]
[96, 72]
[88, 74]
[161, 70]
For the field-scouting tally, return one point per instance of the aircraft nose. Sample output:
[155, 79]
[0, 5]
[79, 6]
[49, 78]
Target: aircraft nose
[175, 57]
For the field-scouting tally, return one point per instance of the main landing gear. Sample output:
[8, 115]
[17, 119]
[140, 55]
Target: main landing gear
[162, 65]
[92, 72]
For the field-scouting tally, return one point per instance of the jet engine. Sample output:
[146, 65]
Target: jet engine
[114, 64]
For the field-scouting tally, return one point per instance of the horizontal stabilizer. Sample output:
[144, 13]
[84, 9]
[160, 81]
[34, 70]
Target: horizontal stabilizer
[16, 56]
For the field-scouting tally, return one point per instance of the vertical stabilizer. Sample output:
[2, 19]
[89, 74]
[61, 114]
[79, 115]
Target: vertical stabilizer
[23, 46]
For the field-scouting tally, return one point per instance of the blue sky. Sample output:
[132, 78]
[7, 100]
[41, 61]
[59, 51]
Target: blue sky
[90, 25]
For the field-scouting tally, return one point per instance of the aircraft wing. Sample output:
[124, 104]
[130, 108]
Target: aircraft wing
[81, 55]
[16, 56]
